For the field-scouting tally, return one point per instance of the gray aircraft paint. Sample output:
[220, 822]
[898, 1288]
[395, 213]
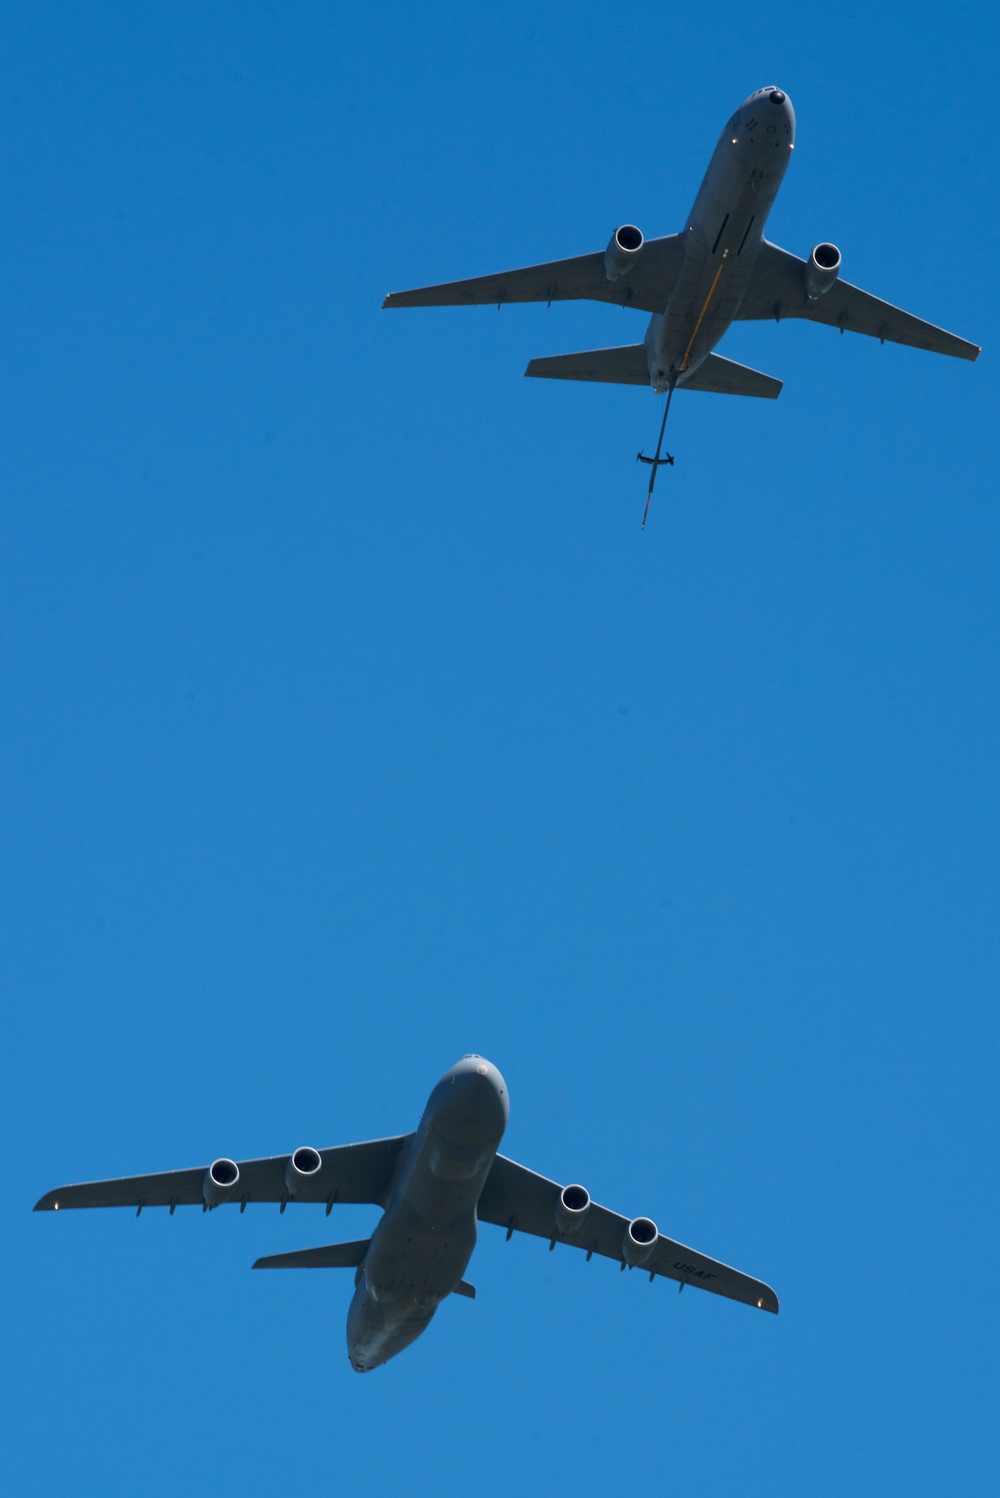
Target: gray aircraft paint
[419, 1251]
[723, 236]
[434, 1187]
[718, 270]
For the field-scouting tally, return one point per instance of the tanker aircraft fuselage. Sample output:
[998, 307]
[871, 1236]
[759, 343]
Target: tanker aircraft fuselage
[696, 283]
[723, 236]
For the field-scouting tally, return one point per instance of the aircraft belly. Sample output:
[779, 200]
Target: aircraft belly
[705, 300]
[722, 240]
[408, 1270]
[406, 1256]
[694, 320]
[419, 1251]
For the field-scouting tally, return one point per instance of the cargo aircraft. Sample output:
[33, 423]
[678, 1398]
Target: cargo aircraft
[435, 1186]
[695, 284]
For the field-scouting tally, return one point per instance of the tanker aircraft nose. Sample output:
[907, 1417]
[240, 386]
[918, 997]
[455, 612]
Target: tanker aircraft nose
[696, 284]
[771, 107]
[782, 106]
[768, 115]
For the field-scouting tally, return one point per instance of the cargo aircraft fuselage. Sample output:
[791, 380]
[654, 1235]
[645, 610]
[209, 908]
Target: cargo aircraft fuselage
[434, 1186]
[418, 1254]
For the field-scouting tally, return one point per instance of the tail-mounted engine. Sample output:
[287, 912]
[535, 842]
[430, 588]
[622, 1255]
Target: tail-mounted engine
[222, 1179]
[822, 269]
[639, 1242]
[571, 1210]
[622, 251]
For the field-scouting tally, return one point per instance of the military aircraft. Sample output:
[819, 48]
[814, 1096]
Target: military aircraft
[435, 1186]
[695, 284]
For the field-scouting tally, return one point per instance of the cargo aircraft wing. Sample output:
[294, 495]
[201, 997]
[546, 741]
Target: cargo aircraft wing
[778, 289]
[346, 1173]
[646, 285]
[517, 1199]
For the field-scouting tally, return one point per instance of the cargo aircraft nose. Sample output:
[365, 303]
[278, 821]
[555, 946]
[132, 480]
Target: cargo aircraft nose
[471, 1101]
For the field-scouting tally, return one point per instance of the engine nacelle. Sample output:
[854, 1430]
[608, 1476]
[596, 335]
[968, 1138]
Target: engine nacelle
[303, 1166]
[822, 269]
[639, 1242]
[571, 1210]
[621, 253]
[222, 1179]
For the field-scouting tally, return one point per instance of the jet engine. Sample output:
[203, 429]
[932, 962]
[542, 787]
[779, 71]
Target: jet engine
[621, 253]
[639, 1242]
[221, 1181]
[822, 269]
[571, 1210]
[303, 1166]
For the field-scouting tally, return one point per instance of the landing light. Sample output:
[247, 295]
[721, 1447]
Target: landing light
[55, 1206]
[760, 1304]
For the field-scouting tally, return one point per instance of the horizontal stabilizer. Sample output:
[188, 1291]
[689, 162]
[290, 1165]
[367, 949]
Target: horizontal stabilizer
[724, 377]
[628, 366]
[464, 1288]
[612, 366]
[331, 1256]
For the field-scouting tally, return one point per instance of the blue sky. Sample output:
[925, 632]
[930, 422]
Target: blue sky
[350, 723]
